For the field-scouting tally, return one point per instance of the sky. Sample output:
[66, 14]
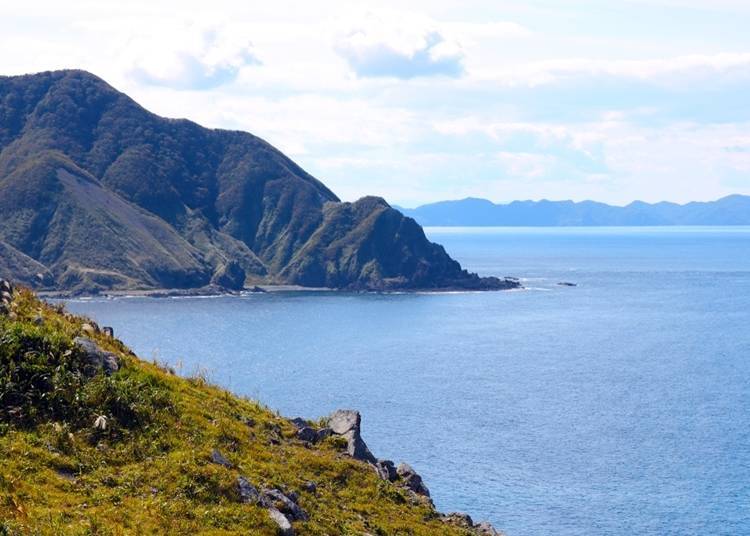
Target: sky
[428, 100]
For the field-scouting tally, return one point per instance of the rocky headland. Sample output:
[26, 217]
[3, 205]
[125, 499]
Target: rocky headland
[97, 194]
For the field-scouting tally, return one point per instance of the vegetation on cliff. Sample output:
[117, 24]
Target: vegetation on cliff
[95, 441]
[96, 193]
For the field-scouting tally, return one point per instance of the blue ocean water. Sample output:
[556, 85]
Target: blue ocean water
[620, 406]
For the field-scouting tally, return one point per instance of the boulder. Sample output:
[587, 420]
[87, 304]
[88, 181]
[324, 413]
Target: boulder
[230, 276]
[412, 480]
[346, 423]
[307, 434]
[108, 331]
[299, 423]
[486, 529]
[95, 358]
[323, 433]
[276, 499]
[248, 493]
[310, 486]
[458, 519]
[285, 527]
[386, 470]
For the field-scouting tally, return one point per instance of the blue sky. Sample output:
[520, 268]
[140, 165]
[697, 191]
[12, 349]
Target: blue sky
[421, 101]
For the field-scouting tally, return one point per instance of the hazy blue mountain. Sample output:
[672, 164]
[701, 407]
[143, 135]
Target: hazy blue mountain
[730, 210]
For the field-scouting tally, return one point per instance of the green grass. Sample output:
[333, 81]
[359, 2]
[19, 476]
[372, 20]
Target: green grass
[149, 471]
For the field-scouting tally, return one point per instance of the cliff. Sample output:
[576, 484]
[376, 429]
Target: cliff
[95, 441]
[97, 194]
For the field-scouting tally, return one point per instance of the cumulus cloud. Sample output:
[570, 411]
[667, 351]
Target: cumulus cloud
[193, 60]
[381, 48]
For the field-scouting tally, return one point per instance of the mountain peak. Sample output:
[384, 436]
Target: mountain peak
[101, 194]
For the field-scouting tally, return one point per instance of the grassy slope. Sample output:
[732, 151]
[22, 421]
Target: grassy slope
[150, 472]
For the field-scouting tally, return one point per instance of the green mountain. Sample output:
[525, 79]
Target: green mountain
[95, 441]
[96, 193]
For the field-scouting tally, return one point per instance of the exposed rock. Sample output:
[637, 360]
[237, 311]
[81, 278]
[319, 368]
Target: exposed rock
[458, 519]
[486, 529]
[386, 470]
[230, 276]
[218, 458]
[108, 331]
[299, 423]
[346, 423]
[412, 480]
[249, 494]
[567, 284]
[285, 527]
[307, 434]
[275, 498]
[96, 359]
[310, 486]
[323, 433]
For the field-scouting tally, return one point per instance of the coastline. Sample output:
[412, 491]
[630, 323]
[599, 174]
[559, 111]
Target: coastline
[215, 291]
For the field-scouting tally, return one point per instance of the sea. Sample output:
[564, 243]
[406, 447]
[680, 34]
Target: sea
[620, 405]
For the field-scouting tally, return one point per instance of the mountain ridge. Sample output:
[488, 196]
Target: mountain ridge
[97, 194]
[471, 211]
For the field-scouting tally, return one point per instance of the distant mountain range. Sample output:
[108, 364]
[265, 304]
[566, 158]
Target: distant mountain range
[730, 210]
[97, 194]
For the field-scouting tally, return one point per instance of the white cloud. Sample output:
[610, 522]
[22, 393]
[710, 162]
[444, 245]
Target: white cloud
[191, 57]
[384, 47]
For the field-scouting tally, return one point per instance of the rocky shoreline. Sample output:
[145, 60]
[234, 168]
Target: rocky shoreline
[346, 424]
[507, 283]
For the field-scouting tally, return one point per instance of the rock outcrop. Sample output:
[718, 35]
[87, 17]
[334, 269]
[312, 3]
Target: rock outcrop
[95, 358]
[98, 194]
[346, 423]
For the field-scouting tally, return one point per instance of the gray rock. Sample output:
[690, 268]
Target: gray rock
[95, 358]
[486, 529]
[285, 527]
[219, 459]
[108, 331]
[310, 486]
[386, 470]
[275, 498]
[458, 519]
[412, 480]
[299, 423]
[342, 421]
[307, 434]
[346, 423]
[249, 494]
[323, 433]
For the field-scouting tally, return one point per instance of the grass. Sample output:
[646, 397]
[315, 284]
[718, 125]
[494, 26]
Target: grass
[149, 470]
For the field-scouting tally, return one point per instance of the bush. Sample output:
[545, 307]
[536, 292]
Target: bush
[42, 379]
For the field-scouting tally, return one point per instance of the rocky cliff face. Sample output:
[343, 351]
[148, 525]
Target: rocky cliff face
[96, 193]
